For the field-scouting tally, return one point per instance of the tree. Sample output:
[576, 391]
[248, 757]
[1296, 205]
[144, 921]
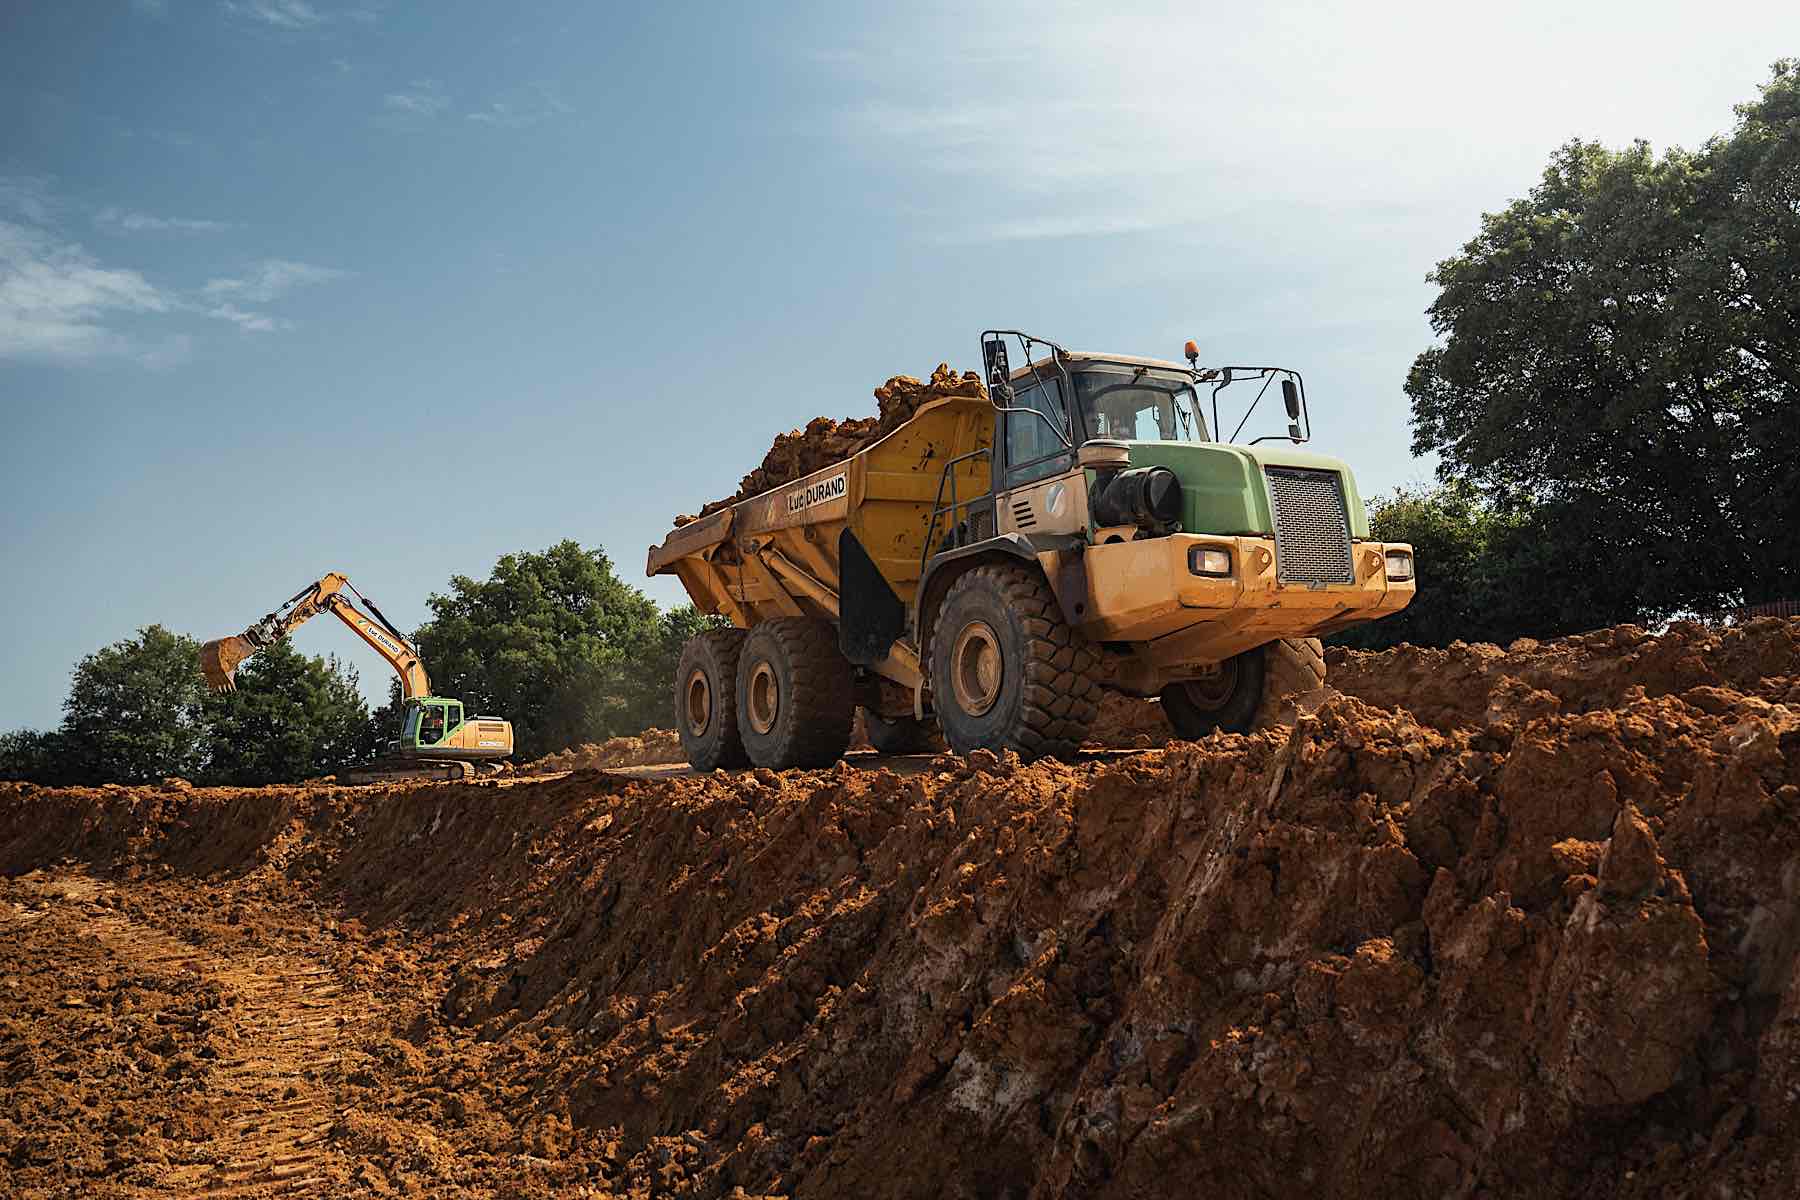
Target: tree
[292, 717]
[1621, 358]
[1490, 572]
[643, 687]
[553, 641]
[39, 757]
[134, 713]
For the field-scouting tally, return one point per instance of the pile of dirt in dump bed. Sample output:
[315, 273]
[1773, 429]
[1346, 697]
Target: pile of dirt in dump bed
[1514, 950]
[825, 441]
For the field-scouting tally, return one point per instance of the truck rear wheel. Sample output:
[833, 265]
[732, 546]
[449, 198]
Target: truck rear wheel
[706, 700]
[1007, 673]
[796, 695]
[1248, 690]
[897, 735]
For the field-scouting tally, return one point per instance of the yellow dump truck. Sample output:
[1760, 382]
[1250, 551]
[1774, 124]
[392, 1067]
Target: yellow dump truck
[996, 561]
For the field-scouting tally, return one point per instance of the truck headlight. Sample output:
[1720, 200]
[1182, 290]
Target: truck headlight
[1209, 560]
[1399, 566]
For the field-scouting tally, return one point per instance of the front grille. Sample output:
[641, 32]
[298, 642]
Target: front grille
[1312, 526]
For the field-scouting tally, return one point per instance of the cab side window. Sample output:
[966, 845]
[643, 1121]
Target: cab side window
[1033, 449]
[431, 726]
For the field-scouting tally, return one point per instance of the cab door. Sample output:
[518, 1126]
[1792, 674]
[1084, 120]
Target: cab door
[1041, 490]
[433, 726]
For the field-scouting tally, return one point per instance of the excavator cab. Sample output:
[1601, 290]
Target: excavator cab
[429, 722]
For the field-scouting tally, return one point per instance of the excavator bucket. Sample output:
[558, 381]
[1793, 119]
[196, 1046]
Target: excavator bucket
[219, 661]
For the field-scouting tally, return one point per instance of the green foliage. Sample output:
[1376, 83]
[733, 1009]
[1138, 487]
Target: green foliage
[1620, 365]
[556, 643]
[36, 756]
[1491, 572]
[138, 711]
[134, 713]
[291, 717]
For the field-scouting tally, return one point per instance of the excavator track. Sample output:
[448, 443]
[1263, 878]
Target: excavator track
[393, 769]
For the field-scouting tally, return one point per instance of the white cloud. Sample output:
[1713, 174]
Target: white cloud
[1170, 115]
[281, 14]
[250, 322]
[271, 278]
[60, 304]
[1037, 229]
[524, 107]
[422, 99]
[55, 296]
[27, 197]
[118, 220]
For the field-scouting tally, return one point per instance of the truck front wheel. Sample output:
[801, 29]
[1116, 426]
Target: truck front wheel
[796, 698]
[1247, 691]
[706, 700]
[1007, 673]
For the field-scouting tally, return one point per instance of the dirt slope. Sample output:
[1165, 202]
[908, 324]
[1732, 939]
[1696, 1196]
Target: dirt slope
[1520, 949]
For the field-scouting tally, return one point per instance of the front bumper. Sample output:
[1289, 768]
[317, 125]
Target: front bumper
[1144, 592]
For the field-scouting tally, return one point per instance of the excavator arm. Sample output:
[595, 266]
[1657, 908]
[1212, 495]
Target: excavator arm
[219, 660]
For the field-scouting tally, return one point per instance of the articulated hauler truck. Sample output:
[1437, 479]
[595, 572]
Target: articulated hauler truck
[997, 561]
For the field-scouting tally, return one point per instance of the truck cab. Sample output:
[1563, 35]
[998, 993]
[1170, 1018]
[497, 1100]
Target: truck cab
[1171, 549]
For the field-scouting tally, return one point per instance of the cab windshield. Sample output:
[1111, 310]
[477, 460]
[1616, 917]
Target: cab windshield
[1134, 404]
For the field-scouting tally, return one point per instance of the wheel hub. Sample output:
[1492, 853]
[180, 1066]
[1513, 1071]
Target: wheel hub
[762, 699]
[976, 668]
[1214, 689]
[699, 702]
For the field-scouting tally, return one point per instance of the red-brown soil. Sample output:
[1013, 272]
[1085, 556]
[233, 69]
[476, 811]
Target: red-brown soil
[647, 748]
[1492, 946]
[824, 441]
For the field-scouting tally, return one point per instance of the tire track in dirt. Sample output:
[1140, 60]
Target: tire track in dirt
[268, 1087]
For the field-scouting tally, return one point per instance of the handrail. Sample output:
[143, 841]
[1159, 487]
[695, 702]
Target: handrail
[938, 508]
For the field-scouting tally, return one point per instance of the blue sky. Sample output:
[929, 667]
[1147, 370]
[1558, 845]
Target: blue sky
[289, 286]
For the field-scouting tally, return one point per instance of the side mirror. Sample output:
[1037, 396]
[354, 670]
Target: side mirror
[998, 370]
[1290, 395]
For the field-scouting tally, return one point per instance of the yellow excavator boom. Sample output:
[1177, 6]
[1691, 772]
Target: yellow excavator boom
[220, 659]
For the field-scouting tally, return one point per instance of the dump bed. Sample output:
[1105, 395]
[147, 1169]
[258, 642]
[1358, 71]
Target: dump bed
[776, 554]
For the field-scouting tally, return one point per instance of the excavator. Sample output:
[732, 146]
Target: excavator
[437, 740]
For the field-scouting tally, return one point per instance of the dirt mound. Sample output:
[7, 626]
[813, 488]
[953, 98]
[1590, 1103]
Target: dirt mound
[1556, 955]
[649, 748]
[825, 441]
[1472, 687]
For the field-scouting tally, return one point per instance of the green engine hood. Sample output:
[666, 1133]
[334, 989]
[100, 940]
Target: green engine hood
[1222, 485]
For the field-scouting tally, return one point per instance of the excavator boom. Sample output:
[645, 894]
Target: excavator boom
[220, 659]
[438, 738]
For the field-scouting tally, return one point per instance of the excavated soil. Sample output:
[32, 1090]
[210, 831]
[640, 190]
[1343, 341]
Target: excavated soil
[824, 441]
[1524, 923]
[651, 747]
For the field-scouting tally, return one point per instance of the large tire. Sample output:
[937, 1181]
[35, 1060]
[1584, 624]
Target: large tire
[897, 735]
[1250, 690]
[706, 700]
[1007, 673]
[796, 698]
[1291, 667]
